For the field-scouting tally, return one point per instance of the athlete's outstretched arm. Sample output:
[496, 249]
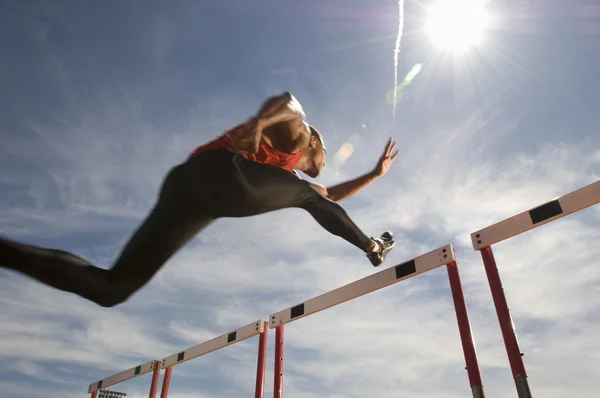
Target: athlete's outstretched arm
[350, 188]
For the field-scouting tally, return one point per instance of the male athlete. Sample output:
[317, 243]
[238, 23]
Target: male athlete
[247, 171]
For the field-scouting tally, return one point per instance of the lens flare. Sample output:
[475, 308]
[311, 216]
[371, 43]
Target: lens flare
[344, 153]
[398, 91]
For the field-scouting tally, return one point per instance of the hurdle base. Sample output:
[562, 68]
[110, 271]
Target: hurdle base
[477, 392]
[522, 387]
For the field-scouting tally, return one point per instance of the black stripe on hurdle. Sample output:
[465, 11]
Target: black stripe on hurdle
[138, 369]
[544, 212]
[100, 384]
[406, 269]
[231, 337]
[180, 356]
[297, 311]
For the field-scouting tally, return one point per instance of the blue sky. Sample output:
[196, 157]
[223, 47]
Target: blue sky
[100, 99]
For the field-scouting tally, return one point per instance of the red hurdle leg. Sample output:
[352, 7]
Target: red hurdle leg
[154, 385]
[278, 384]
[164, 392]
[464, 328]
[506, 324]
[261, 364]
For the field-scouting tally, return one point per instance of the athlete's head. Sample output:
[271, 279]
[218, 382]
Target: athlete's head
[315, 153]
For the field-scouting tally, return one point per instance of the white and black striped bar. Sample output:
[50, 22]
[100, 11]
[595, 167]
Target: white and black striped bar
[217, 343]
[426, 262]
[537, 216]
[123, 376]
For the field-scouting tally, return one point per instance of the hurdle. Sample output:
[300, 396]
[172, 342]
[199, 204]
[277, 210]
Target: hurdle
[225, 340]
[484, 239]
[217, 343]
[442, 256]
[150, 366]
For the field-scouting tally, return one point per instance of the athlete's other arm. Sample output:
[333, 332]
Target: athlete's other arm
[280, 119]
[283, 108]
[350, 188]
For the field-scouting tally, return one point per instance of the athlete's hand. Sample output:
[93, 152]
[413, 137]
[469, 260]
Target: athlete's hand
[386, 159]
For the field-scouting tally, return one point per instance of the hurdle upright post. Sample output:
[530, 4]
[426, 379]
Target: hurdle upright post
[507, 327]
[464, 328]
[261, 364]
[155, 376]
[164, 392]
[278, 383]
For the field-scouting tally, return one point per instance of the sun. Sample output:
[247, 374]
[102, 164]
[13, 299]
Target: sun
[457, 25]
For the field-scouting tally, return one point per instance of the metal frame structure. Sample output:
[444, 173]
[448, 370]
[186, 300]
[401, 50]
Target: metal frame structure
[225, 340]
[442, 256]
[483, 240]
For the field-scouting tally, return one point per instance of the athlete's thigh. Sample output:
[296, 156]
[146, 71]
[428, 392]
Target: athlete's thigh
[158, 238]
[174, 220]
[263, 188]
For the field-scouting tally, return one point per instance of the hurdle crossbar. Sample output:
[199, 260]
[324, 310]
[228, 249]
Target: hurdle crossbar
[150, 366]
[444, 255]
[227, 339]
[361, 287]
[537, 216]
[217, 343]
[484, 239]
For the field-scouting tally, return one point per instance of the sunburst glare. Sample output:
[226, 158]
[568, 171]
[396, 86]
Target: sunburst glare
[457, 25]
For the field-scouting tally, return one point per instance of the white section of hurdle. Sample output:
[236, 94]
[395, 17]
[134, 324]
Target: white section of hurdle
[537, 216]
[224, 340]
[426, 262]
[124, 375]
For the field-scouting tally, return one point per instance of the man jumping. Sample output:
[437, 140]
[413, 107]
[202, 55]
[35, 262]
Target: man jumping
[247, 171]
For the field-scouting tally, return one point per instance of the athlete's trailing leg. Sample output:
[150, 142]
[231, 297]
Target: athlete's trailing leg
[175, 218]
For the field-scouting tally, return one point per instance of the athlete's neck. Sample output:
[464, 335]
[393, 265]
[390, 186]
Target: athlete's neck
[305, 165]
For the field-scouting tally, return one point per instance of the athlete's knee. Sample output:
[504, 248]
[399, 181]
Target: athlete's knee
[113, 292]
[111, 301]
[112, 298]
